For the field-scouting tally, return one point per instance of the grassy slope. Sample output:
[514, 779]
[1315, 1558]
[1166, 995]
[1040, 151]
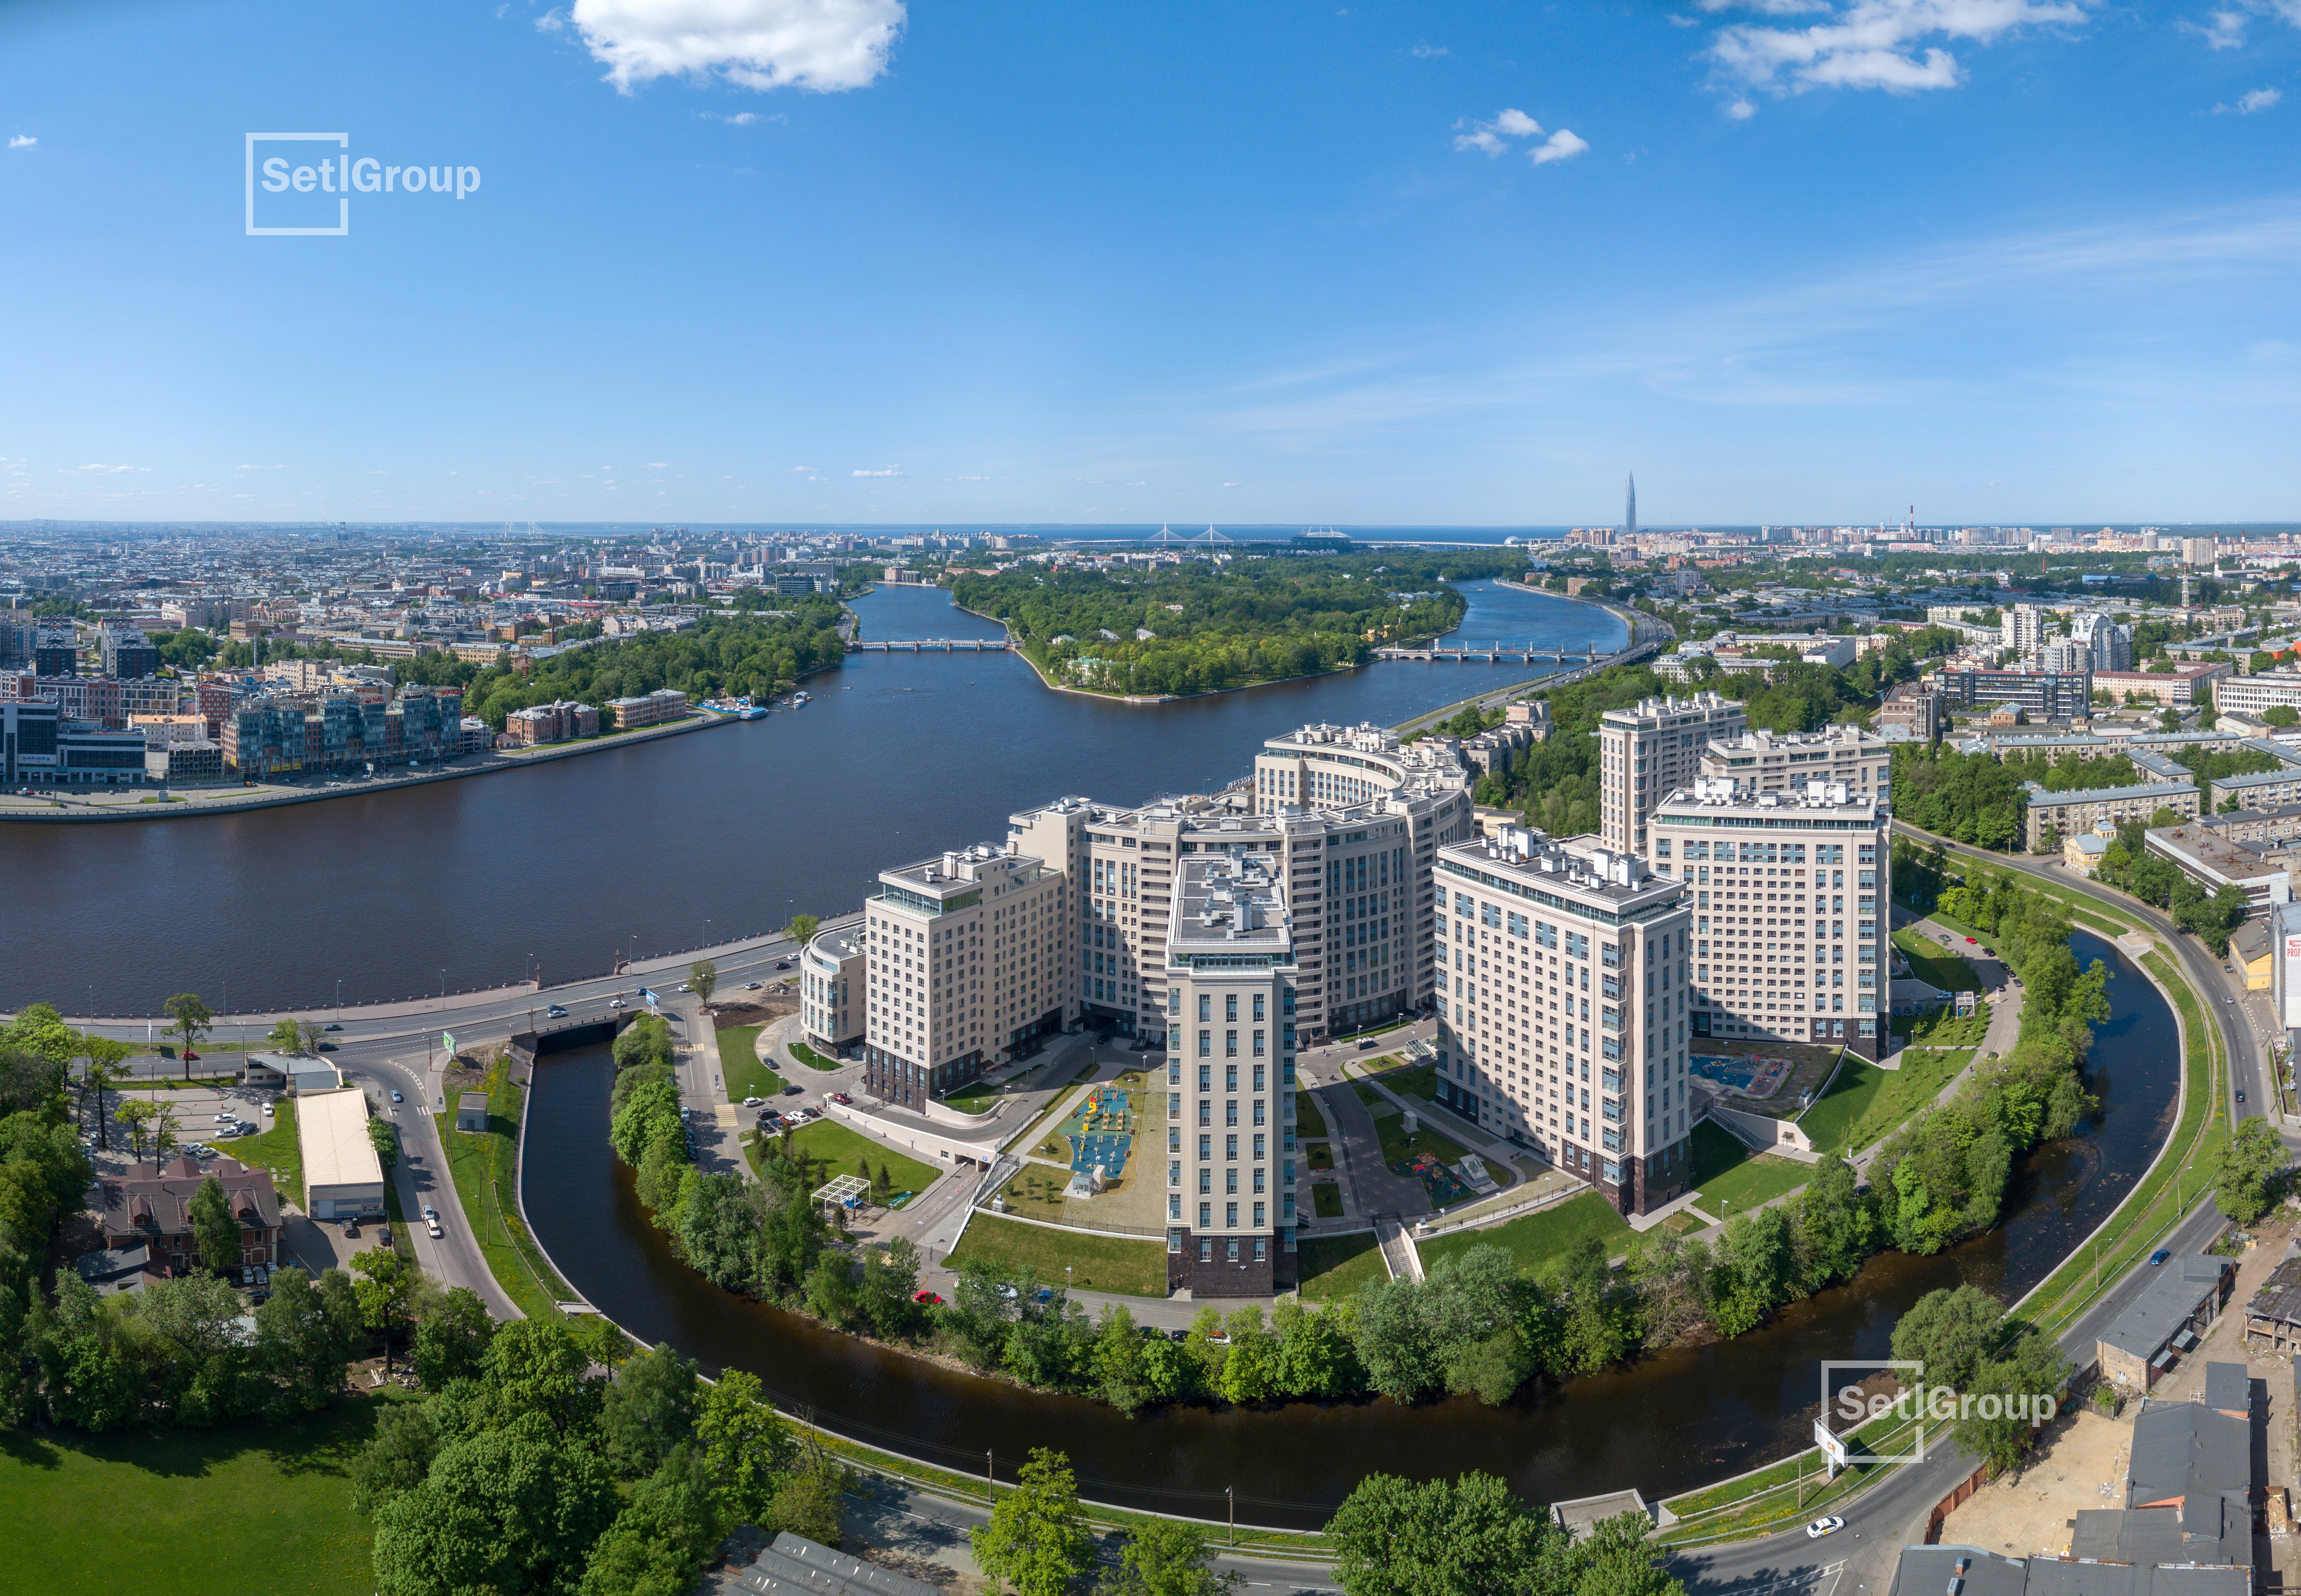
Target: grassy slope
[1734, 1180]
[1830, 1121]
[482, 1165]
[739, 1066]
[1325, 1199]
[1932, 963]
[1539, 1237]
[1122, 1264]
[1334, 1267]
[266, 1505]
[828, 1139]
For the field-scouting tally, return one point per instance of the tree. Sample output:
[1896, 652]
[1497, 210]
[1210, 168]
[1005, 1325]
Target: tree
[137, 1113]
[1953, 1331]
[1166, 1556]
[703, 976]
[2281, 715]
[1469, 1537]
[192, 1021]
[311, 1030]
[299, 1344]
[515, 1508]
[386, 1289]
[1037, 1540]
[104, 1056]
[215, 1229]
[648, 1410]
[384, 1137]
[661, 1538]
[746, 1447]
[807, 1501]
[803, 928]
[452, 1340]
[2251, 1163]
[286, 1037]
[397, 1456]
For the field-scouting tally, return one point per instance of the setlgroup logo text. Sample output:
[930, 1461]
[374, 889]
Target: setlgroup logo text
[301, 185]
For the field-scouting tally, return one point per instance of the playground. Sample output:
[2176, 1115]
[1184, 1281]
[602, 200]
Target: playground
[1443, 1185]
[1757, 1076]
[1100, 1130]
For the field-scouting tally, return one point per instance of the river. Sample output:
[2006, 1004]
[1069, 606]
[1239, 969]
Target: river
[665, 846]
[1664, 1424]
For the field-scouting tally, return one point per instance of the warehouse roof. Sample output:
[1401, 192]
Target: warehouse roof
[331, 1128]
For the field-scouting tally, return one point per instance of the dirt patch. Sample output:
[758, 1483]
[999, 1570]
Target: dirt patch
[2080, 1465]
[460, 1079]
[730, 1016]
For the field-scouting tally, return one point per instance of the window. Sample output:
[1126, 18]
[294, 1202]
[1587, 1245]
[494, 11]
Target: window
[1206, 1043]
[1230, 1006]
[1206, 1147]
[1206, 1248]
[1230, 1222]
[1490, 916]
[1205, 1076]
[1517, 923]
[1174, 1072]
[1230, 1147]
[1173, 1172]
[1258, 1007]
[1206, 1007]
[1258, 1069]
[1258, 1051]
[1230, 1050]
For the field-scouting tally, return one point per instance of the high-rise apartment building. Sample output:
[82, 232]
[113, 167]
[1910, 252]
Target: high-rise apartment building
[1649, 751]
[2021, 627]
[126, 652]
[2109, 644]
[1230, 1076]
[1790, 893]
[1785, 762]
[1631, 506]
[963, 957]
[1567, 1009]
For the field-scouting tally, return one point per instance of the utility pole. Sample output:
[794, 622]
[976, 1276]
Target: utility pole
[988, 1497]
[1231, 1497]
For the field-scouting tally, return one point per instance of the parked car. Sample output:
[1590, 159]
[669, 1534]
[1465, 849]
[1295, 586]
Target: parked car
[396, 1097]
[226, 1117]
[383, 1235]
[556, 1012]
[751, 986]
[840, 1097]
[351, 1230]
[245, 1129]
[753, 1101]
[270, 1106]
[1824, 1526]
[1365, 1042]
[791, 1090]
[928, 1297]
[2159, 1256]
[1178, 1335]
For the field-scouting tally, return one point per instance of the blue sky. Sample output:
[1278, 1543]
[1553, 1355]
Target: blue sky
[835, 261]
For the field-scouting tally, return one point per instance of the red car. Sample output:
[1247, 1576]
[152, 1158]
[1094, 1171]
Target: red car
[928, 1297]
[1971, 940]
[840, 1097]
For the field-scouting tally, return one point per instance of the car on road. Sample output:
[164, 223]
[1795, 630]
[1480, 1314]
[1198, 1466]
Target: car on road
[429, 1212]
[840, 1097]
[751, 986]
[1971, 940]
[928, 1297]
[791, 1090]
[331, 1025]
[2159, 1256]
[615, 1003]
[753, 1101]
[555, 1012]
[190, 1056]
[395, 1096]
[683, 987]
[1365, 1042]
[782, 964]
[1824, 1526]
[432, 1224]
[271, 1106]
[2240, 1097]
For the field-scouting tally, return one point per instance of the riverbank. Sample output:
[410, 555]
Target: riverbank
[138, 804]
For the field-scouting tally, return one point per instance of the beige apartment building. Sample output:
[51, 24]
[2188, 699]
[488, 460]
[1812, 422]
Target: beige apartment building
[1648, 752]
[1566, 1009]
[1790, 892]
[964, 957]
[1775, 762]
[833, 980]
[1230, 1075]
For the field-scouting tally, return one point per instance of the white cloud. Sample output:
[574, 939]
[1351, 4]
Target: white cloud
[2225, 30]
[109, 470]
[2260, 99]
[1562, 145]
[658, 465]
[1492, 137]
[1230, 484]
[966, 479]
[823, 45]
[1679, 20]
[798, 468]
[21, 141]
[551, 21]
[892, 471]
[1425, 52]
[1872, 44]
[1741, 111]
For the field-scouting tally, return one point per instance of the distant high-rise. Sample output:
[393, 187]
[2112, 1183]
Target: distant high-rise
[1630, 509]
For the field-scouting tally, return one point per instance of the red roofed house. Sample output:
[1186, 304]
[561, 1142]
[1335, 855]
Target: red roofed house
[147, 1205]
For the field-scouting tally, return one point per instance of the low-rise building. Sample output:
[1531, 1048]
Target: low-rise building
[186, 763]
[2213, 860]
[343, 1177]
[2068, 813]
[2142, 1344]
[649, 709]
[472, 1112]
[2253, 695]
[120, 1271]
[2183, 686]
[556, 721]
[2083, 853]
[2261, 790]
[2046, 695]
[831, 986]
[2249, 949]
[148, 1205]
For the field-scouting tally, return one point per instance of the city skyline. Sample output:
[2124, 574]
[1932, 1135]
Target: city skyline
[2024, 262]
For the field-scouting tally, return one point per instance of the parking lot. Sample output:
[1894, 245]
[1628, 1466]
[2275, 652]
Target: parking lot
[194, 1118]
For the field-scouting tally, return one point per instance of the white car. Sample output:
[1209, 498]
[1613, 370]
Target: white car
[1824, 1526]
[432, 1224]
[753, 1101]
[227, 1117]
[429, 1212]
[267, 1109]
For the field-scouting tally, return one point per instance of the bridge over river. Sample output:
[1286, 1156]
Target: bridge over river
[930, 645]
[1495, 653]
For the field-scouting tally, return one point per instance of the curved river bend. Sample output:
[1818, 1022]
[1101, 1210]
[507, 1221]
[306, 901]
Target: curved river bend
[1665, 1424]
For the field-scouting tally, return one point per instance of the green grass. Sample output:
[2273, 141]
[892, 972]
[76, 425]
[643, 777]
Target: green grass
[1418, 1080]
[1121, 1264]
[1539, 1239]
[828, 1140]
[1334, 1267]
[1309, 1124]
[1397, 1144]
[1904, 1092]
[739, 1066]
[483, 1164]
[277, 1150]
[811, 1058]
[267, 1504]
[1734, 1180]
[1830, 1122]
[1932, 963]
[973, 1098]
[1325, 1199]
[1318, 1154]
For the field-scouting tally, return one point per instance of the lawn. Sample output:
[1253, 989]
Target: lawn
[811, 1058]
[1830, 1122]
[1539, 1239]
[1932, 963]
[973, 1098]
[1416, 1081]
[1318, 1154]
[1121, 1264]
[1309, 1124]
[1899, 1094]
[1325, 1199]
[835, 1143]
[739, 1063]
[268, 1504]
[1036, 1192]
[1734, 1180]
[1334, 1267]
[483, 1164]
[278, 1151]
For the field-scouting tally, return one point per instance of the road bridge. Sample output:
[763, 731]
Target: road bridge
[929, 646]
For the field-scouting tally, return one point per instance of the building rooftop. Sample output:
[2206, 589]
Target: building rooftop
[331, 1130]
[1226, 904]
[2044, 797]
[2172, 1293]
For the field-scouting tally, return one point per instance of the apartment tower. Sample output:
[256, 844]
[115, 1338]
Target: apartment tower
[1647, 752]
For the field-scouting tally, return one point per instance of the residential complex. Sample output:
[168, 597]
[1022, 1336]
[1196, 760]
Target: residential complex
[1769, 762]
[2070, 812]
[1567, 1008]
[1791, 892]
[1648, 752]
[832, 978]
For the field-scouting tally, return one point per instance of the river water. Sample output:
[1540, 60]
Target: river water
[663, 846]
[1664, 1424]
